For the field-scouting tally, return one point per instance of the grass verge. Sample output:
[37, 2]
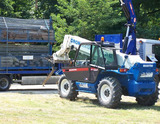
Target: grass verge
[37, 108]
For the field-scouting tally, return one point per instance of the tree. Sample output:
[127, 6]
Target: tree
[6, 8]
[16, 8]
[44, 8]
[23, 8]
[148, 18]
[86, 18]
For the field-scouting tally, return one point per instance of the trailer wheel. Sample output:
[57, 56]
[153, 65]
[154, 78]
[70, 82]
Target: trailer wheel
[109, 92]
[67, 88]
[5, 82]
[151, 99]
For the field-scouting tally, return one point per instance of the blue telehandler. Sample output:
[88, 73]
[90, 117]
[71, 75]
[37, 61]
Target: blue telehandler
[103, 70]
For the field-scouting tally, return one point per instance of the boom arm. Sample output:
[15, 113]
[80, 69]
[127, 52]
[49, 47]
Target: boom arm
[69, 42]
[129, 46]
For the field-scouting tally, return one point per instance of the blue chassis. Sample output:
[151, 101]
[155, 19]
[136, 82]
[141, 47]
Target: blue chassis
[130, 80]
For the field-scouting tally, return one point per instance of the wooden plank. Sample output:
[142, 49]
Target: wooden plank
[24, 35]
[48, 77]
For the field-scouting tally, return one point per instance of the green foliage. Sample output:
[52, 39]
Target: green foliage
[86, 18]
[16, 8]
[148, 18]
[6, 7]
[44, 8]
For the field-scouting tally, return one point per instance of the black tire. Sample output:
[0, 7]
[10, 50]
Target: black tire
[67, 88]
[109, 92]
[5, 83]
[151, 99]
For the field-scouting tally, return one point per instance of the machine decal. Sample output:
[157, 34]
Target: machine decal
[94, 69]
[146, 74]
[83, 85]
[75, 41]
[75, 69]
[134, 20]
[147, 65]
[131, 8]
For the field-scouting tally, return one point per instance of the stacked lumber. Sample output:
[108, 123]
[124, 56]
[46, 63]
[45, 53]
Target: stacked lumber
[12, 62]
[11, 55]
[6, 61]
[25, 29]
[26, 35]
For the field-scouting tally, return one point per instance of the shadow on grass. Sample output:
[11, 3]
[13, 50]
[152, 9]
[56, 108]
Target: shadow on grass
[122, 105]
[130, 105]
[88, 100]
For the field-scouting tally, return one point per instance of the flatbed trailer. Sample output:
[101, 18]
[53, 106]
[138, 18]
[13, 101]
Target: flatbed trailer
[25, 45]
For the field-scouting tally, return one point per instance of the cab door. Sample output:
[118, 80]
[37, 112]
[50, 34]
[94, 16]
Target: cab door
[81, 68]
[97, 62]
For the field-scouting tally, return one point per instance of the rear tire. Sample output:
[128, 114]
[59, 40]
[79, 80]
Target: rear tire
[5, 82]
[151, 99]
[109, 92]
[67, 88]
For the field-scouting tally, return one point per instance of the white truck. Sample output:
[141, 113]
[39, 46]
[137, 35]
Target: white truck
[149, 50]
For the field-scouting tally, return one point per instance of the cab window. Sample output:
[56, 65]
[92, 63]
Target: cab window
[83, 57]
[109, 57]
[97, 56]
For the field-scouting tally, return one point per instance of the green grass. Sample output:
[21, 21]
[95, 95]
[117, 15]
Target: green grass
[30, 108]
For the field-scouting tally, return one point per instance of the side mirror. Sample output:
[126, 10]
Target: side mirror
[125, 58]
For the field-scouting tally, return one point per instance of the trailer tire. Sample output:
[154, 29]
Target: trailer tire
[67, 88]
[5, 82]
[109, 92]
[149, 100]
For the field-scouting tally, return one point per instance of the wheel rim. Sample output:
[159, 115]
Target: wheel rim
[3, 83]
[105, 93]
[65, 87]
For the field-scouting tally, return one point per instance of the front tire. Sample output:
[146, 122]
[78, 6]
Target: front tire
[151, 99]
[109, 92]
[67, 88]
[5, 82]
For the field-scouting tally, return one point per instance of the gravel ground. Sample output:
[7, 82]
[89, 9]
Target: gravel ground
[19, 86]
[33, 89]
[36, 89]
